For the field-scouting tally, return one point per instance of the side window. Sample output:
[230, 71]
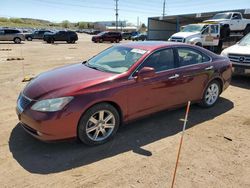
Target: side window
[214, 29]
[206, 30]
[189, 56]
[236, 16]
[7, 32]
[161, 60]
[1, 32]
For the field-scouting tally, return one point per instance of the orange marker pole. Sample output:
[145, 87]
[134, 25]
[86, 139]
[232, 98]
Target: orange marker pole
[182, 135]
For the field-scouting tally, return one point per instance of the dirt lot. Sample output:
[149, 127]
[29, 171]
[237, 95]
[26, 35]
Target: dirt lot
[142, 154]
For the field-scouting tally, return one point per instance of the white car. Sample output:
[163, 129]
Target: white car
[239, 55]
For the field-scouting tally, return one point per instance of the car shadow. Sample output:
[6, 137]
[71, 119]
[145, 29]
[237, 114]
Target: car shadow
[45, 158]
[241, 81]
[11, 43]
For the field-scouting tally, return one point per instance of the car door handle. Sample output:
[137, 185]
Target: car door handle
[209, 68]
[174, 76]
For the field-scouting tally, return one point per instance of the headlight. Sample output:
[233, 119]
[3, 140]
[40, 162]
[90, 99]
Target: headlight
[51, 105]
[223, 53]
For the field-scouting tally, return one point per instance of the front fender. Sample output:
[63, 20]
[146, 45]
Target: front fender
[194, 40]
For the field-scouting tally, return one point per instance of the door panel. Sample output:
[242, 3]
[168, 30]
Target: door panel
[154, 94]
[163, 90]
[195, 70]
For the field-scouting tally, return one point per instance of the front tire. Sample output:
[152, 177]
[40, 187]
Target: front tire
[211, 94]
[29, 38]
[17, 40]
[98, 124]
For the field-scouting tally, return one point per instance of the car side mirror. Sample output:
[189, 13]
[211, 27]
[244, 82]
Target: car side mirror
[145, 72]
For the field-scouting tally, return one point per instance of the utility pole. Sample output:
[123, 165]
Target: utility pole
[163, 11]
[116, 14]
[138, 22]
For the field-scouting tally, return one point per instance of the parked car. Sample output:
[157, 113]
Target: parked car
[90, 100]
[231, 22]
[138, 37]
[126, 35]
[107, 36]
[36, 34]
[68, 36]
[11, 35]
[239, 55]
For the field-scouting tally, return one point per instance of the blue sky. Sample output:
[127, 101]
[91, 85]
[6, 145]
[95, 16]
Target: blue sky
[103, 10]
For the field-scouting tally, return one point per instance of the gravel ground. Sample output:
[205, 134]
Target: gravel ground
[215, 153]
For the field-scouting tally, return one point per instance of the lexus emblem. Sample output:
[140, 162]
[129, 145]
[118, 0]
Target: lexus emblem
[242, 59]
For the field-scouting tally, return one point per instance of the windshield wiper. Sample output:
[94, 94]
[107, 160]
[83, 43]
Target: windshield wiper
[95, 67]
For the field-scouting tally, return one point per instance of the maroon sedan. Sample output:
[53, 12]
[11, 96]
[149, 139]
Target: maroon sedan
[91, 99]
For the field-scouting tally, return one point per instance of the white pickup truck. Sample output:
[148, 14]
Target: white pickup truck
[231, 22]
[201, 34]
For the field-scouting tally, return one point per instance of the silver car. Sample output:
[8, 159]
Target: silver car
[11, 35]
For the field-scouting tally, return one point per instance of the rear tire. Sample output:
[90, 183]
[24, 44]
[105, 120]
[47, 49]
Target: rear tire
[211, 94]
[98, 124]
[29, 38]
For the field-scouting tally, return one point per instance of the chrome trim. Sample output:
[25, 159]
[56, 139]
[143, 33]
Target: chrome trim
[131, 77]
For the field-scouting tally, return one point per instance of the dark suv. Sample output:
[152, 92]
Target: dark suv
[36, 34]
[107, 36]
[68, 36]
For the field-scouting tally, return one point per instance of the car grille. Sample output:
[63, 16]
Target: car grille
[23, 102]
[238, 58]
[177, 39]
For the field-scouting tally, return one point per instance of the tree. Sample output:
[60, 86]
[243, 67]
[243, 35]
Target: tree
[65, 24]
[82, 25]
[143, 28]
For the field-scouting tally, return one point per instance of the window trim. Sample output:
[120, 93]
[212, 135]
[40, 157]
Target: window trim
[132, 76]
[158, 50]
[196, 50]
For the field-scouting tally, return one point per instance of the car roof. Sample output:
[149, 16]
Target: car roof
[152, 45]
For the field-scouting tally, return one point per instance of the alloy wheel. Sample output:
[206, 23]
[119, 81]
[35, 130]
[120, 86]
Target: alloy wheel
[212, 94]
[100, 125]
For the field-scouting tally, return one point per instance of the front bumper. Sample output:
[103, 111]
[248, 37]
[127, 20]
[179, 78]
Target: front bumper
[241, 69]
[49, 126]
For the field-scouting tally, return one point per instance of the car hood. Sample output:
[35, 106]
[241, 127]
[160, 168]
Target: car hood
[238, 49]
[185, 34]
[65, 81]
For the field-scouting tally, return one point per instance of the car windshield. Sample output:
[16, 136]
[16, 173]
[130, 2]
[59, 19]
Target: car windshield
[193, 28]
[222, 16]
[115, 59]
[245, 41]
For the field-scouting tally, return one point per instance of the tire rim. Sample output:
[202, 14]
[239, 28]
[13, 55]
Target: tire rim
[100, 125]
[212, 94]
[17, 40]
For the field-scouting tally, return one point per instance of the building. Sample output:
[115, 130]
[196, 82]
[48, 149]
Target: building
[102, 26]
[161, 28]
